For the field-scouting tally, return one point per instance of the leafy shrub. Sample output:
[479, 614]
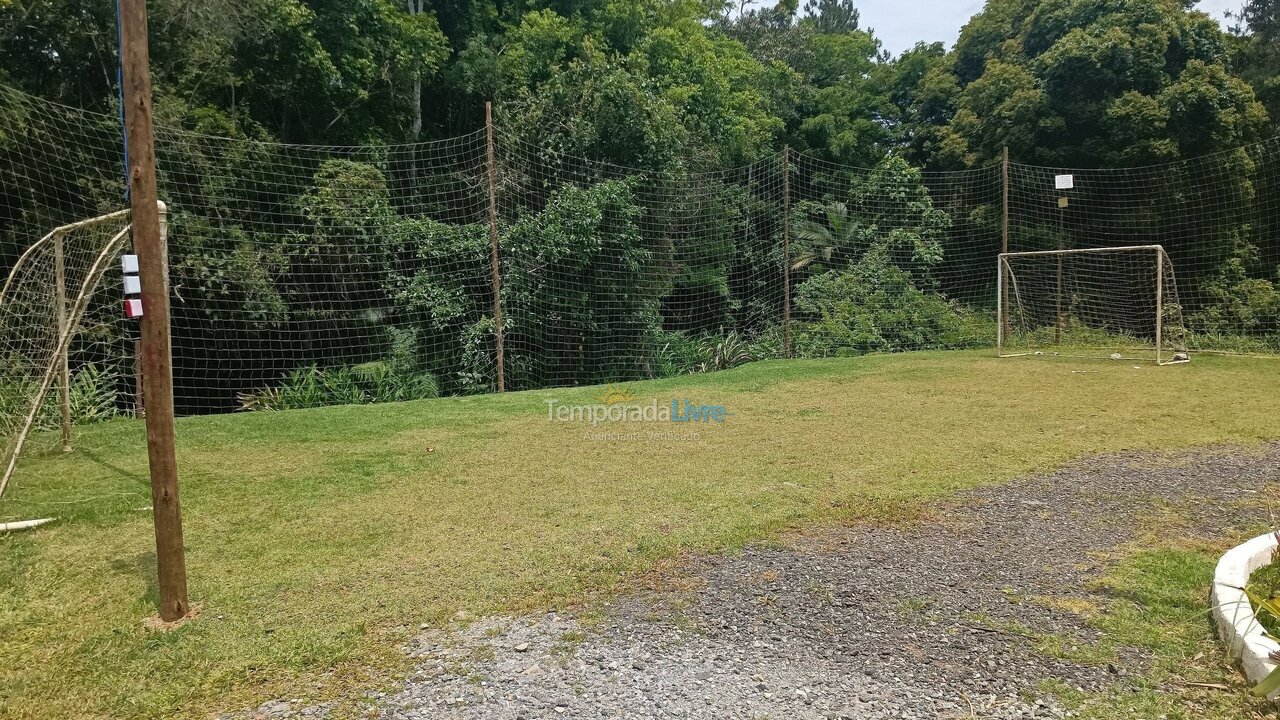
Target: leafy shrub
[889, 213]
[93, 398]
[1239, 304]
[726, 350]
[583, 288]
[681, 353]
[372, 382]
[396, 378]
[678, 354]
[93, 395]
[874, 307]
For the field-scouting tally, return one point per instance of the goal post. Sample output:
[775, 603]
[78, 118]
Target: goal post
[57, 329]
[1115, 302]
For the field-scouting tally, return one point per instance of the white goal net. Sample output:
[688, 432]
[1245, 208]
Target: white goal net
[63, 339]
[1119, 302]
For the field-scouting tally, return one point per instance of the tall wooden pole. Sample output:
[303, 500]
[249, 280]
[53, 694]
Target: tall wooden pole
[1002, 296]
[1062, 245]
[149, 244]
[64, 361]
[1159, 304]
[495, 266]
[786, 250]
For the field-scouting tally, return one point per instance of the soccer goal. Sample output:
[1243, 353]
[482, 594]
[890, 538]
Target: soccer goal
[1119, 303]
[57, 330]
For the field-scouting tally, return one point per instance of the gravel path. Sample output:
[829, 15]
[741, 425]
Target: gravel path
[863, 623]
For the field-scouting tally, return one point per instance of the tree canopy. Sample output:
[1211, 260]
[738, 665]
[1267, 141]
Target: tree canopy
[660, 82]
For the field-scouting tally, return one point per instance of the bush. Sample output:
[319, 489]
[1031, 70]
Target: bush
[680, 353]
[874, 307]
[372, 382]
[93, 398]
[396, 378]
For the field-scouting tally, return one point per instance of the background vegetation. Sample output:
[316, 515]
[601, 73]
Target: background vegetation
[281, 246]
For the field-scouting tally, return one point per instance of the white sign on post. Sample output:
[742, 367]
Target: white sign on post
[129, 263]
[1064, 182]
[132, 285]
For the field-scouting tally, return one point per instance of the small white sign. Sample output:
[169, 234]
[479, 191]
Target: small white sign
[132, 285]
[1064, 182]
[133, 307]
[129, 263]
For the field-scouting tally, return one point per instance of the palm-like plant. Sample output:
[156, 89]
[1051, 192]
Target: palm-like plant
[822, 241]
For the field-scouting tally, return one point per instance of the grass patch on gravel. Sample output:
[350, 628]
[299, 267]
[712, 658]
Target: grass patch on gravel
[319, 540]
[1156, 626]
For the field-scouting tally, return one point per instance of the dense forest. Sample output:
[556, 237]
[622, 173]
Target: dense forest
[677, 112]
[1080, 83]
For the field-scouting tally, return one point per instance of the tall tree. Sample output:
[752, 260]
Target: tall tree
[1257, 32]
[1083, 83]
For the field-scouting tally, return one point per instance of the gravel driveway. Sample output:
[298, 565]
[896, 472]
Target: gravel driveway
[865, 622]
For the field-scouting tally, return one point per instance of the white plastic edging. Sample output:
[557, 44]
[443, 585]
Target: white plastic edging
[1237, 627]
[23, 524]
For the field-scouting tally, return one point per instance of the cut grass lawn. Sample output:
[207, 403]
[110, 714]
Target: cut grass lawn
[318, 540]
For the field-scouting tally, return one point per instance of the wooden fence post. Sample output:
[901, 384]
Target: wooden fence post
[786, 251]
[495, 265]
[1003, 297]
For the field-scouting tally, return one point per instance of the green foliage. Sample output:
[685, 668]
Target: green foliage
[439, 286]
[93, 398]
[371, 382]
[889, 213]
[1257, 52]
[678, 354]
[1239, 303]
[1262, 595]
[874, 307]
[1075, 83]
[397, 377]
[726, 350]
[584, 287]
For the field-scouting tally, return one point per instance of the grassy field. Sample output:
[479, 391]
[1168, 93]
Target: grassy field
[317, 540]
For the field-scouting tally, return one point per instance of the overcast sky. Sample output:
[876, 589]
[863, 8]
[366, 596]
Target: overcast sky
[901, 23]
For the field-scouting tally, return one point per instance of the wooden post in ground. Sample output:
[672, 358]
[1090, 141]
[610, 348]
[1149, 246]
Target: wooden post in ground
[1057, 326]
[157, 361]
[139, 399]
[1062, 245]
[64, 361]
[1159, 304]
[786, 251]
[495, 265]
[1002, 297]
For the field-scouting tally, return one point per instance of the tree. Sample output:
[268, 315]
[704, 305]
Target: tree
[322, 71]
[833, 99]
[1079, 83]
[886, 212]
[832, 17]
[1257, 56]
